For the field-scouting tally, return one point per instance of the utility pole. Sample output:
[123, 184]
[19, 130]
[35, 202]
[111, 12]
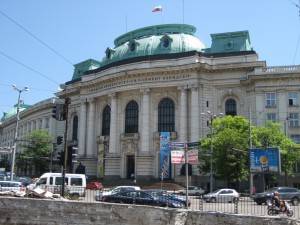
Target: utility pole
[67, 103]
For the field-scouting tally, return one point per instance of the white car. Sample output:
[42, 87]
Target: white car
[98, 196]
[222, 195]
[192, 190]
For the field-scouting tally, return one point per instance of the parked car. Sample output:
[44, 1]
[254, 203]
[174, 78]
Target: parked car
[11, 186]
[285, 193]
[192, 190]
[99, 196]
[127, 196]
[94, 185]
[166, 197]
[222, 195]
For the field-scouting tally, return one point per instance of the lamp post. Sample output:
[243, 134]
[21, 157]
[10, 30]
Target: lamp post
[16, 130]
[211, 117]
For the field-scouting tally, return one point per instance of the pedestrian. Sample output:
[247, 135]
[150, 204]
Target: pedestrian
[253, 190]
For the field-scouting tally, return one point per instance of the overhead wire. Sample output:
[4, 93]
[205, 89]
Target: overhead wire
[32, 35]
[29, 67]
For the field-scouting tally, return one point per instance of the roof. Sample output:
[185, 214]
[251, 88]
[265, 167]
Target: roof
[13, 112]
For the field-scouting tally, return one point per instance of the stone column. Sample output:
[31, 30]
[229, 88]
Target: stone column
[183, 113]
[145, 139]
[44, 123]
[90, 129]
[82, 129]
[194, 129]
[113, 124]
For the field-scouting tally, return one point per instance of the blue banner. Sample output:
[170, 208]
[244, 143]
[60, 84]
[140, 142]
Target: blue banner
[165, 155]
[265, 160]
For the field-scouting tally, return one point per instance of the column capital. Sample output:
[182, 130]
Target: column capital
[91, 100]
[194, 86]
[112, 95]
[145, 91]
[83, 100]
[182, 88]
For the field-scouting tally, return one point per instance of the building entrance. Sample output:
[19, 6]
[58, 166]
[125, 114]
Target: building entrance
[130, 165]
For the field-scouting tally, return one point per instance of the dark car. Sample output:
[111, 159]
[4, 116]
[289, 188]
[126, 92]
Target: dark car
[131, 197]
[285, 193]
[169, 198]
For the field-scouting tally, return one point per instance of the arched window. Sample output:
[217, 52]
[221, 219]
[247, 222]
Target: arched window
[132, 117]
[166, 115]
[230, 107]
[106, 121]
[75, 128]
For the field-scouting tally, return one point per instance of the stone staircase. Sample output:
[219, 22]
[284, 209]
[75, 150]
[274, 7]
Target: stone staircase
[144, 184]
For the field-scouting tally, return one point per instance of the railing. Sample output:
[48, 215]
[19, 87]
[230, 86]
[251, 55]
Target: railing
[277, 70]
[244, 205]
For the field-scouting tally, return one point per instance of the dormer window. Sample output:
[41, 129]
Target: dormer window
[132, 45]
[165, 42]
[109, 53]
[229, 46]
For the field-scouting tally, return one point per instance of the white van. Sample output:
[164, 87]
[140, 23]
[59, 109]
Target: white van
[75, 183]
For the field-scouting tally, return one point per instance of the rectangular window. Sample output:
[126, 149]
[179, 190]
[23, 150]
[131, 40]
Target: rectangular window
[294, 122]
[272, 117]
[270, 99]
[207, 105]
[293, 98]
[295, 138]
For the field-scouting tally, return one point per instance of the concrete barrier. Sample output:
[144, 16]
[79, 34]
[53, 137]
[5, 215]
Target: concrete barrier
[23, 211]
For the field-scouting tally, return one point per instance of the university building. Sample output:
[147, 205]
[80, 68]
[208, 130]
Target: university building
[160, 79]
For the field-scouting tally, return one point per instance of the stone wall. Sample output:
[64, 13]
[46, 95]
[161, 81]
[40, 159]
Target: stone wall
[23, 211]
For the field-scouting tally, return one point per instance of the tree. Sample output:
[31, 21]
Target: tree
[271, 135]
[36, 151]
[230, 149]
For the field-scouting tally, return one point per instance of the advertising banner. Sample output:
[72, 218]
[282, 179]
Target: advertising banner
[165, 154]
[265, 160]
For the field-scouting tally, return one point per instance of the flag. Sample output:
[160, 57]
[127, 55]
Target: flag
[157, 9]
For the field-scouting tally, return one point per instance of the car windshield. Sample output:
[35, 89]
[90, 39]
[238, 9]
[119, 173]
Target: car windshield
[216, 191]
[271, 190]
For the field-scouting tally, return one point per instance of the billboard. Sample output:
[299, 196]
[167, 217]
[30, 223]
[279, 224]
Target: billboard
[265, 160]
[165, 155]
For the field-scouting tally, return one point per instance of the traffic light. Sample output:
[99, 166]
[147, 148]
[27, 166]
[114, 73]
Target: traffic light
[54, 112]
[72, 155]
[61, 158]
[59, 140]
[59, 111]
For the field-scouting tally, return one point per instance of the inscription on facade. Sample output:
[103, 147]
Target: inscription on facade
[139, 80]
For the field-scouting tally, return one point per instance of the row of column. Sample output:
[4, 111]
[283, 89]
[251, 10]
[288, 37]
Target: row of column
[86, 143]
[194, 113]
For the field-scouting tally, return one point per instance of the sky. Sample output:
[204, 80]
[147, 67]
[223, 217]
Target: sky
[40, 41]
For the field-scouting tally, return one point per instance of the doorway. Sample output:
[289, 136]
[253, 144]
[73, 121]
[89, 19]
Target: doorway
[130, 165]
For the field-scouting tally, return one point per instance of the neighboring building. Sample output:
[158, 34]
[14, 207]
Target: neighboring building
[35, 117]
[160, 79]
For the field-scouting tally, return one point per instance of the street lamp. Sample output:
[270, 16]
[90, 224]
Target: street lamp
[211, 117]
[16, 130]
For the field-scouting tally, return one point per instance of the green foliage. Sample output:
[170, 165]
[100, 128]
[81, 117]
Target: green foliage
[272, 136]
[36, 151]
[230, 148]
[4, 161]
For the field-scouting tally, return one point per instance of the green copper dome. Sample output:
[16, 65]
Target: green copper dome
[154, 40]
[13, 112]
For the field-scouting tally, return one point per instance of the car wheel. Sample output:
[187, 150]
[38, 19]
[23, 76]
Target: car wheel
[74, 196]
[213, 200]
[258, 202]
[295, 201]
[235, 200]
